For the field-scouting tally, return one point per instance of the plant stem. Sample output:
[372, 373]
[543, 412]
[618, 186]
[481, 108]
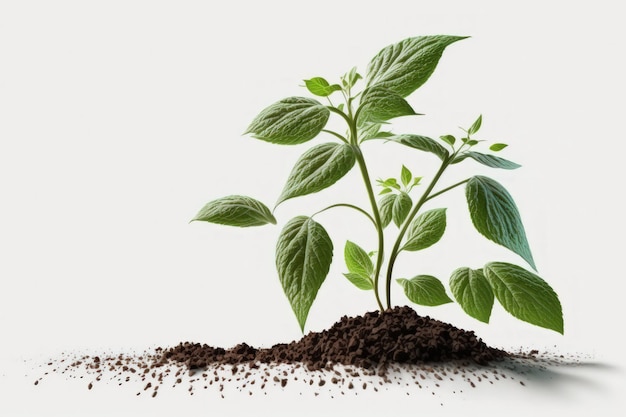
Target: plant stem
[342, 114]
[430, 197]
[349, 206]
[396, 247]
[370, 193]
[354, 141]
[337, 135]
[377, 221]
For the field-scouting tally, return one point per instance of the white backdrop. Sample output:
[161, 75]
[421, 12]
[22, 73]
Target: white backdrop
[120, 119]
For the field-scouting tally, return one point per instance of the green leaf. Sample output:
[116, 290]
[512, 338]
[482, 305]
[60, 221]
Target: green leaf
[385, 207]
[525, 295]
[304, 253]
[449, 139]
[459, 158]
[424, 290]
[350, 78]
[236, 210]
[394, 207]
[496, 216]
[406, 176]
[369, 130]
[320, 87]
[416, 181]
[401, 208]
[492, 161]
[357, 260]
[318, 168]
[475, 126]
[290, 121]
[389, 182]
[403, 67]
[362, 282]
[498, 146]
[426, 230]
[379, 105]
[385, 191]
[473, 292]
[422, 143]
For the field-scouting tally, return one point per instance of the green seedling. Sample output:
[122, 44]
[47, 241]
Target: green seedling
[304, 250]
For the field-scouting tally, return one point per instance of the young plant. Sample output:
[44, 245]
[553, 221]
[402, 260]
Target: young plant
[304, 250]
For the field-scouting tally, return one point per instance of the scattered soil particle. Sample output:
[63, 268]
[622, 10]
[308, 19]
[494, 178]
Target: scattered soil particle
[395, 347]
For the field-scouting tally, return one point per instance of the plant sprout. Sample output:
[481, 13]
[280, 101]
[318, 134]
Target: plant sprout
[304, 250]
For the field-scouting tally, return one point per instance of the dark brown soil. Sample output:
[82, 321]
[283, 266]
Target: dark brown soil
[373, 340]
[372, 350]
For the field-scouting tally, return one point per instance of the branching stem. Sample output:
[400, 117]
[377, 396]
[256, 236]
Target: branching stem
[430, 197]
[377, 223]
[396, 247]
[370, 193]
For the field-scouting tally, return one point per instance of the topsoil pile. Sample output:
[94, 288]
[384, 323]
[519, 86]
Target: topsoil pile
[373, 340]
[375, 344]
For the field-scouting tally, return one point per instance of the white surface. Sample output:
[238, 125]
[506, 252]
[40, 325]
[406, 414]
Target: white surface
[120, 119]
[572, 389]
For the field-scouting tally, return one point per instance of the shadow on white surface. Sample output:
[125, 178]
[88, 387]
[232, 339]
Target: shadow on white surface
[541, 384]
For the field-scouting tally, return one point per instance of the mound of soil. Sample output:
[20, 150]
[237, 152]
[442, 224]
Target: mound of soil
[375, 345]
[373, 340]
